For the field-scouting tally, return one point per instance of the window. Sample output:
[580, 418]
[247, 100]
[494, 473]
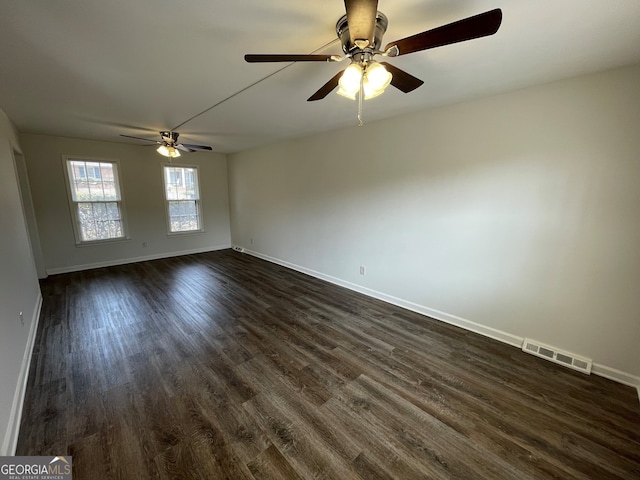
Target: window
[94, 172]
[183, 198]
[94, 193]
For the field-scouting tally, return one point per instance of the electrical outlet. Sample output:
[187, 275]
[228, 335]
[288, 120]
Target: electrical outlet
[144, 244]
[21, 318]
[363, 270]
[251, 240]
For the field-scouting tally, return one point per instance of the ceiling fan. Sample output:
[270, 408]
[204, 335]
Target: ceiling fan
[169, 146]
[360, 32]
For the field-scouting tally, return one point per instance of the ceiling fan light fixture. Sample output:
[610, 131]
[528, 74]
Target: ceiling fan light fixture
[376, 80]
[168, 151]
[349, 82]
[345, 94]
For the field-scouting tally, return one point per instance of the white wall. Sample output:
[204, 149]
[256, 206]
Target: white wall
[19, 292]
[518, 212]
[142, 188]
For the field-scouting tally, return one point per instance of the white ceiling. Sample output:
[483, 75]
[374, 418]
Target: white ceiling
[96, 69]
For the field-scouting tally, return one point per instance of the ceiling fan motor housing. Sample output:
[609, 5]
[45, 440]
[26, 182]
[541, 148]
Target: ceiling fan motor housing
[342, 29]
[169, 137]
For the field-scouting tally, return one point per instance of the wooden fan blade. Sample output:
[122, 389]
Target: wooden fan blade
[139, 138]
[361, 18]
[252, 58]
[326, 88]
[402, 80]
[481, 25]
[196, 147]
[183, 147]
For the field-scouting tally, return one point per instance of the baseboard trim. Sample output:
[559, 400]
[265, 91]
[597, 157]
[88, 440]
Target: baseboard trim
[513, 340]
[11, 437]
[616, 375]
[124, 261]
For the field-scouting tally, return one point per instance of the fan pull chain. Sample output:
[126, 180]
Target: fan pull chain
[360, 97]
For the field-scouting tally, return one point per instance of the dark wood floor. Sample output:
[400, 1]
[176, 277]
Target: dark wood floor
[221, 365]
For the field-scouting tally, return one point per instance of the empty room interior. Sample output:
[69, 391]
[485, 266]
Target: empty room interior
[331, 240]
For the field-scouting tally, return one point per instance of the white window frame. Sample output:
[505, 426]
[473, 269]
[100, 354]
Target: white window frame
[198, 201]
[73, 204]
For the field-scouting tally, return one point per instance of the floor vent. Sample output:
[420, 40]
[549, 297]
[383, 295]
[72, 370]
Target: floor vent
[554, 355]
[238, 249]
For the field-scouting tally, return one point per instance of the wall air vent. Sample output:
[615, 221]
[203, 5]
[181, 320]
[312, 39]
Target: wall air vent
[238, 249]
[557, 356]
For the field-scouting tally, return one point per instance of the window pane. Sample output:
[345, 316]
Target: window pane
[113, 212]
[181, 183]
[87, 225]
[92, 181]
[99, 221]
[116, 229]
[94, 171]
[183, 216]
[100, 211]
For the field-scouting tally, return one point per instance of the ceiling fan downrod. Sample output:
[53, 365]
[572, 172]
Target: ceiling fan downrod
[360, 100]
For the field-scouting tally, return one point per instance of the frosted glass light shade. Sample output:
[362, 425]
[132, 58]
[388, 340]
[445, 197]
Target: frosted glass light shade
[168, 151]
[376, 79]
[349, 82]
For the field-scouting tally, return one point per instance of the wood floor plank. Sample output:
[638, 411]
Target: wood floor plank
[389, 459]
[449, 454]
[221, 365]
[307, 454]
[301, 409]
[90, 461]
[465, 411]
[271, 465]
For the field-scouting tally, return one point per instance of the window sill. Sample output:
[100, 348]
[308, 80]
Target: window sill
[181, 234]
[109, 241]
